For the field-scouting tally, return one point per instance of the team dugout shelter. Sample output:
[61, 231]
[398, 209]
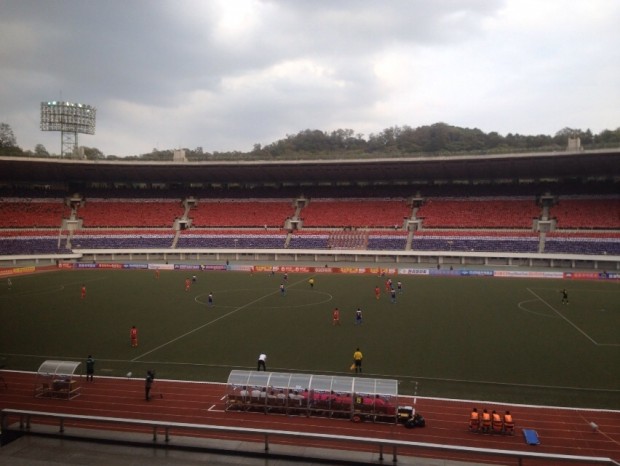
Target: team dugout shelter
[57, 379]
[354, 398]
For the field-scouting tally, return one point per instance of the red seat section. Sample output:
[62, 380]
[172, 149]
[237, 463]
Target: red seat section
[40, 213]
[323, 213]
[134, 213]
[602, 213]
[231, 213]
[479, 213]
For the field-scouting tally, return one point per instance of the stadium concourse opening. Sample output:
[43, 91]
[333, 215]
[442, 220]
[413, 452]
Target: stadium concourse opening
[355, 398]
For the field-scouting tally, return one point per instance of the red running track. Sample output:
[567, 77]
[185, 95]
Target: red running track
[561, 431]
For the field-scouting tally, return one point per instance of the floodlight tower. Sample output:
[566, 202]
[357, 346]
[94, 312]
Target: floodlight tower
[70, 119]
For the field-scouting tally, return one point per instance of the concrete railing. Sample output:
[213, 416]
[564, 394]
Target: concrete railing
[24, 420]
[400, 258]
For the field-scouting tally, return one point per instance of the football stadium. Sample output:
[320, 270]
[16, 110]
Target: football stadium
[386, 298]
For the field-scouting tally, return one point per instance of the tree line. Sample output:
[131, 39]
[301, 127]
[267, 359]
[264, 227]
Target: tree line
[436, 139]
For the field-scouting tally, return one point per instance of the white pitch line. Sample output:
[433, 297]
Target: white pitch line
[203, 326]
[209, 323]
[565, 318]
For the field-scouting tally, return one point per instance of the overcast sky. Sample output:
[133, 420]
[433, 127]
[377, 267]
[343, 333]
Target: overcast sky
[227, 74]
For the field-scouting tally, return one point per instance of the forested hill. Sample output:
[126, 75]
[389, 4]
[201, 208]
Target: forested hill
[397, 141]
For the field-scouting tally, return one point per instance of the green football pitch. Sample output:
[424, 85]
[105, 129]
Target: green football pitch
[469, 338]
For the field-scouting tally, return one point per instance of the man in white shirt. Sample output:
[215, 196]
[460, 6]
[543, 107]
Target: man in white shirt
[262, 359]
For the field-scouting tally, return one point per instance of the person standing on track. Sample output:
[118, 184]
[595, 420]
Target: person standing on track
[90, 368]
[148, 383]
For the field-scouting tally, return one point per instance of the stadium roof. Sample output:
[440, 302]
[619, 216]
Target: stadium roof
[604, 163]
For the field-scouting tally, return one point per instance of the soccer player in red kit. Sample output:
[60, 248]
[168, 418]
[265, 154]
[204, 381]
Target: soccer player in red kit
[336, 316]
[188, 284]
[83, 292]
[133, 336]
[377, 292]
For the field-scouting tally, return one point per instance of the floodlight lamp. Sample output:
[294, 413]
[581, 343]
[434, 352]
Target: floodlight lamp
[69, 119]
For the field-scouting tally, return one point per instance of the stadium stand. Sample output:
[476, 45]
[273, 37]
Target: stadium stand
[583, 243]
[330, 213]
[122, 239]
[244, 239]
[145, 213]
[148, 219]
[591, 213]
[479, 213]
[227, 213]
[488, 241]
[32, 213]
[31, 241]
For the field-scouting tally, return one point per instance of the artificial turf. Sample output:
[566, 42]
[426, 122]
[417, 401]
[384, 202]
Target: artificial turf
[479, 338]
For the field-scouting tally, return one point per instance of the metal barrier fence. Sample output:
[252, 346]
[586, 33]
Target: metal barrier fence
[26, 418]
